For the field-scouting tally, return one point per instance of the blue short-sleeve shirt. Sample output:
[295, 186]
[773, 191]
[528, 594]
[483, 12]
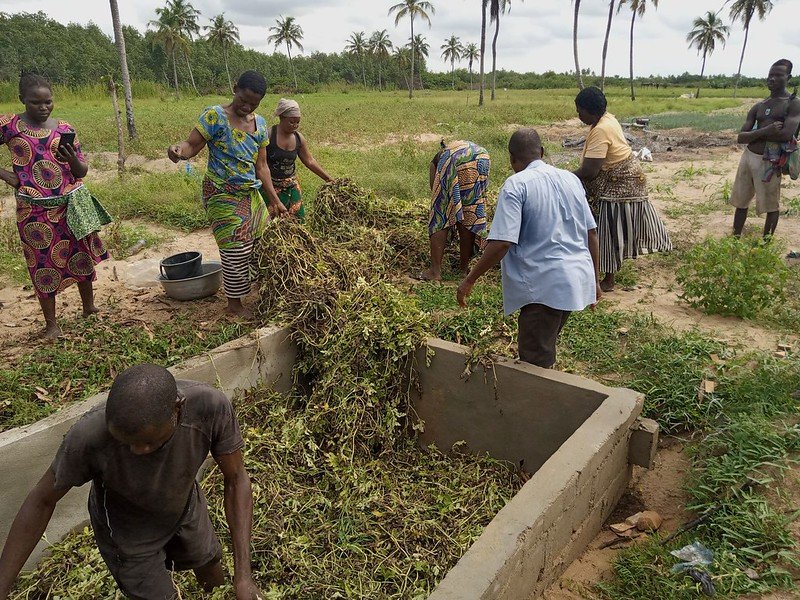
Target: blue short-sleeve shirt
[543, 212]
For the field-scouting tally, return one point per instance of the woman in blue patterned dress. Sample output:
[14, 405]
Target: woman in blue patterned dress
[237, 169]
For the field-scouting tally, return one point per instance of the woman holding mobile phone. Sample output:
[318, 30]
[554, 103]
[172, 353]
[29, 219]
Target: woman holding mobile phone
[57, 218]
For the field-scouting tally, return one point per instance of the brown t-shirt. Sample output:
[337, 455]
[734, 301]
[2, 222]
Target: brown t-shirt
[140, 501]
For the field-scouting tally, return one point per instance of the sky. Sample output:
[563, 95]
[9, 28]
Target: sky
[534, 36]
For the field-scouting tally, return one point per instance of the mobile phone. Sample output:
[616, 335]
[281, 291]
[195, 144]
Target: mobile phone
[67, 139]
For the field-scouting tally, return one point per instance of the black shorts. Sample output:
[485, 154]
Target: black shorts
[149, 577]
[539, 326]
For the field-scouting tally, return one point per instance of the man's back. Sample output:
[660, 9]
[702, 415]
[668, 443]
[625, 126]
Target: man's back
[544, 212]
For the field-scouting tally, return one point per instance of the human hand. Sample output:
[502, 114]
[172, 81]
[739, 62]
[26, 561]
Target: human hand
[463, 292]
[775, 126]
[277, 209]
[174, 153]
[66, 153]
[246, 589]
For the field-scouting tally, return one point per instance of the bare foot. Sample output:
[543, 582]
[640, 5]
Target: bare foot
[92, 310]
[606, 287]
[428, 275]
[51, 331]
[240, 313]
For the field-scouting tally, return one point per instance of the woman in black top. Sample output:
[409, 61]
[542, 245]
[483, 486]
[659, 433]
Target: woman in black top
[285, 145]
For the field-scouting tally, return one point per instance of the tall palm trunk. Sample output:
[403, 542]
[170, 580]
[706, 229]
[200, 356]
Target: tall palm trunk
[633, 22]
[453, 71]
[483, 50]
[227, 70]
[175, 73]
[702, 70]
[291, 64]
[578, 75]
[380, 83]
[363, 71]
[605, 44]
[413, 53]
[119, 40]
[494, 53]
[191, 75]
[741, 58]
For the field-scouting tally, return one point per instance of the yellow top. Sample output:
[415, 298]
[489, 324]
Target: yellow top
[606, 140]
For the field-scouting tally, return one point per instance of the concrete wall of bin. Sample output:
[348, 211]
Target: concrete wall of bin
[572, 433]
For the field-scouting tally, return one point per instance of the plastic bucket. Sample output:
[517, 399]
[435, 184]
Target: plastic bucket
[182, 266]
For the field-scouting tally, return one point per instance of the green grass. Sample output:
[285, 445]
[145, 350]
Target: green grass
[699, 120]
[86, 359]
[122, 238]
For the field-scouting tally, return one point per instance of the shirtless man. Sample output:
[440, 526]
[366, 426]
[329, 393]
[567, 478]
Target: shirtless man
[772, 120]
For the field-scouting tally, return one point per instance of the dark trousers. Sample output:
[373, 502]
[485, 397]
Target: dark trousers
[539, 326]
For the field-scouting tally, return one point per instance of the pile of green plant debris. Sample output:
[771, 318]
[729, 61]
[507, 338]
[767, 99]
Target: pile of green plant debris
[346, 504]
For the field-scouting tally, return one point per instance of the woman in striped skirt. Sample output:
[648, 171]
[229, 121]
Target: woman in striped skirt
[237, 169]
[627, 224]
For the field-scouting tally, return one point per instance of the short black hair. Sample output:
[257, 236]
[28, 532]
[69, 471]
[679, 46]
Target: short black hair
[592, 100]
[29, 81]
[525, 145]
[253, 81]
[141, 396]
[784, 62]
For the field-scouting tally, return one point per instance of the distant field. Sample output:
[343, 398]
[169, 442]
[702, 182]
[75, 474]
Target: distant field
[348, 131]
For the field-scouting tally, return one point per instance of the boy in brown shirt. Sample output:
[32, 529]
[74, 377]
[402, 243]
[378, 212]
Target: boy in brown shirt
[142, 452]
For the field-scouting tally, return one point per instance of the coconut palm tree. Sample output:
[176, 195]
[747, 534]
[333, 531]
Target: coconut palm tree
[471, 54]
[496, 7]
[357, 44]
[637, 8]
[184, 17]
[421, 47]
[223, 34]
[484, 6]
[412, 9]
[744, 11]
[605, 44]
[381, 48]
[119, 40]
[452, 49]
[402, 55]
[578, 76]
[287, 31]
[707, 32]
[169, 37]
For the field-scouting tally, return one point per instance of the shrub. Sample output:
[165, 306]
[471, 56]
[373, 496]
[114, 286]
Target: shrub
[733, 277]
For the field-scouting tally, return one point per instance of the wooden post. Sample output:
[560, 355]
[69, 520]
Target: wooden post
[112, 88]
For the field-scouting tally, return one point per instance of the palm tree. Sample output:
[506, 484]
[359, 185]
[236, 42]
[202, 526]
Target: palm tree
[744, 11]
[223, 34]
[484, 4]
[705, 35]
[412, 9]
[605, 44]
[471, 54]
[496, 7]
[184, 16]
[357, 44]
[381, 47]
[575, 43]
[420, 47]
[452, 49]
[638, 8]
[168, 36]
[402, 54]
[288, 32]
[119, 40]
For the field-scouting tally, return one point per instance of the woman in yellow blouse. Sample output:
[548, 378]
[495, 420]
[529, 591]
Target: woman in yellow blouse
[627, 224]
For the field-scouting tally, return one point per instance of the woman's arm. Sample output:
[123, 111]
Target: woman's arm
[589, 169]
[274, 204]
[78, 167]
[311, 162]
[188, 148]
[9, 177]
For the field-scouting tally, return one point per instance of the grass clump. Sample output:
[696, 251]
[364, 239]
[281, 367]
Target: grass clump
[121, 239]
[733, 277]
[82, 363]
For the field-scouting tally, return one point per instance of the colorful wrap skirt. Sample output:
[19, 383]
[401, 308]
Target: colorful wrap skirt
[627, 224]
[59, 239]
[291, 196]
[459, 190]
[237, 215]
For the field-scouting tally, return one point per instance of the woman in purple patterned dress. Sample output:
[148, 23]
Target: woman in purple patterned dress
[58, 219]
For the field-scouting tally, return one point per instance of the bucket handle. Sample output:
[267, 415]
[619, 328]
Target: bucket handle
[161, 268]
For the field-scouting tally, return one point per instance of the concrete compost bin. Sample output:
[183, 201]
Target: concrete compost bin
[571, 434]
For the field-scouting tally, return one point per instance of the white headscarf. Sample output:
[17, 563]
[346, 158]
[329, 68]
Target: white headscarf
[287, 108]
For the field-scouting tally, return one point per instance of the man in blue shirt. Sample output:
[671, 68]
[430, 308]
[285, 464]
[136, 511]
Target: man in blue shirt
[546, 237]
